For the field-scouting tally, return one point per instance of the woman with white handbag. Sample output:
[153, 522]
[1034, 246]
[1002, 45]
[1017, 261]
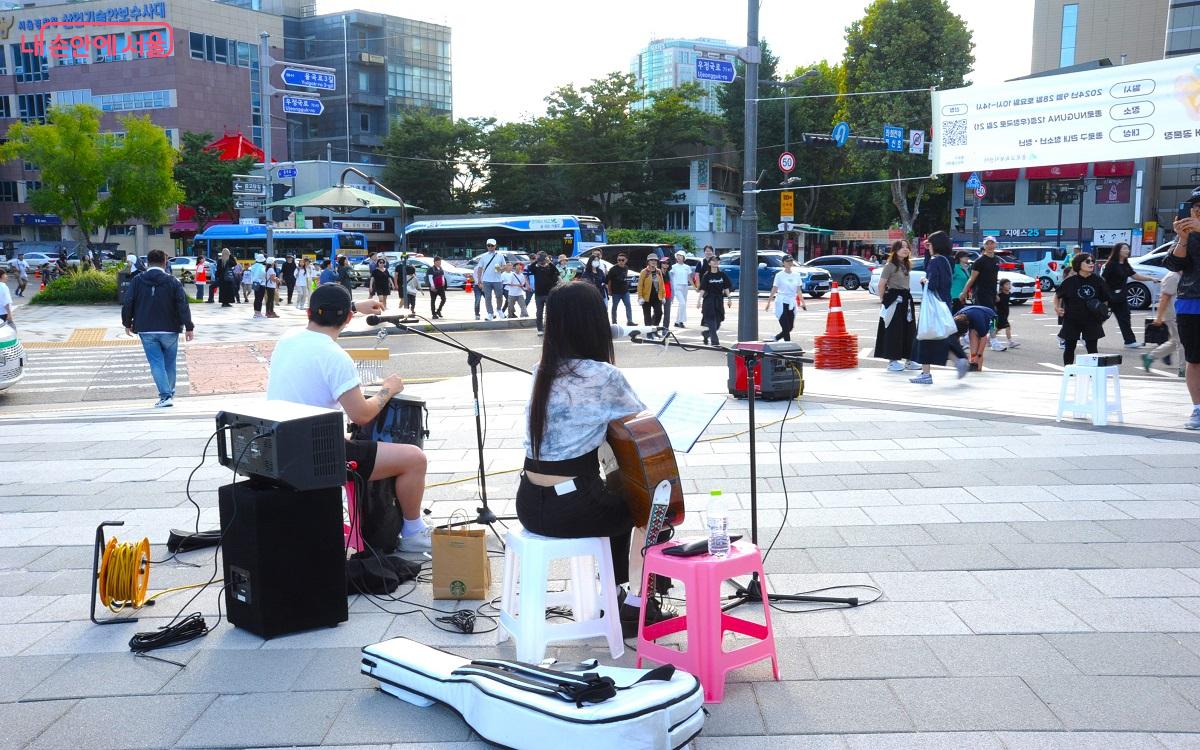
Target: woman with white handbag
[937, 333]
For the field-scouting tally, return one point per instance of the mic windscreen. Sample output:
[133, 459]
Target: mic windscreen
[374, 320]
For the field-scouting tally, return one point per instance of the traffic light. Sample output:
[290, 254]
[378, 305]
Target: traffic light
[960, 219]
[870, 144]
[816, 139]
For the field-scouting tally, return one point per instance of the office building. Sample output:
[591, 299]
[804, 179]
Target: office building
[193, 65]
[668, 63]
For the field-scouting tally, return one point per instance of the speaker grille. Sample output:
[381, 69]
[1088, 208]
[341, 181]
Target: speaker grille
[326, 437]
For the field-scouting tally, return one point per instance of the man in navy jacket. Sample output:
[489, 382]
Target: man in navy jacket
[156, 308]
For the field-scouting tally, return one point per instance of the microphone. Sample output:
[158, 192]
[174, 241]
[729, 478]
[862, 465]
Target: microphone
[374, 320]
[623, 331]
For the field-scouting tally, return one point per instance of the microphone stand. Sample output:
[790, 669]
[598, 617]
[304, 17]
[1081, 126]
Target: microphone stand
[484, 514]
[752, 592]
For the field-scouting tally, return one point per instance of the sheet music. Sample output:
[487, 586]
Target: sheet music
[685, 416]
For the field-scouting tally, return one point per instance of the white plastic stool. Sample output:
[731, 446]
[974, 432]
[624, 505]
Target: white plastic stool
[1091, 393]
[527, 556]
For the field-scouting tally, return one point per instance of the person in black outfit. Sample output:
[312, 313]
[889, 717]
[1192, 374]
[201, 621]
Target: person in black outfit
[437, 287]
[288, 272]
[381, 282]
[226, 278]
[618, 289]
[715, 288]
[1117, 273]
[1078, 300]
[984, 276]
[343, 273]
[545, 278]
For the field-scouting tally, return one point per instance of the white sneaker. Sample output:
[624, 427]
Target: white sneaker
[420, 542]
[912, 366]
[1013, 344]
[998, 347]
[895, 366]
[163, 403]
[1193, 422]
[489, 316]
[1133, 345]
[963, 367]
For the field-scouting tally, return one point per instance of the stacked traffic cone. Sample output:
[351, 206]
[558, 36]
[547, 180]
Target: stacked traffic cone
[837, 349]
[468, 287]
[41, 275]
[1037, 308]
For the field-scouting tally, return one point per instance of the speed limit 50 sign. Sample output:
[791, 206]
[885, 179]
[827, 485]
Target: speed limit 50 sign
[787, 162]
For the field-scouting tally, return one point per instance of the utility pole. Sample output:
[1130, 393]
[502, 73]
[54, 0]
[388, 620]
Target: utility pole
[264, 83]
[748, 294]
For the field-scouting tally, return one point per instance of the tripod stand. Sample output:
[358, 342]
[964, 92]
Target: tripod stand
[484, 514]
[752, 592]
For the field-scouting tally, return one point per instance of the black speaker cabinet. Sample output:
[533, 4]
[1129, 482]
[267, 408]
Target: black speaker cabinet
[284, 557]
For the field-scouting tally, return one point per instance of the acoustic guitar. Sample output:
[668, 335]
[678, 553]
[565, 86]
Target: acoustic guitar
[645, 458]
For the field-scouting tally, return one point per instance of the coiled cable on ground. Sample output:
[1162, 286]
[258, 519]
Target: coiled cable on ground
[124, 574]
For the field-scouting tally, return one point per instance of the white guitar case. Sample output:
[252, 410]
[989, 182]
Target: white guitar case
[529, 707]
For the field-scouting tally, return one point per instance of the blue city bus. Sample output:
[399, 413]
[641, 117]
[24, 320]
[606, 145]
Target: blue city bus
[464, 237]
[244, 240]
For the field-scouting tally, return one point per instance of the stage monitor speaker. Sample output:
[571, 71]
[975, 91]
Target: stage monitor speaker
[299, 446]
[776, 379]
[284, 557]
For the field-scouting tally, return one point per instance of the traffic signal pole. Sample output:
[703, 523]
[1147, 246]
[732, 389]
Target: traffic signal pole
[264, 98]
[748, 293]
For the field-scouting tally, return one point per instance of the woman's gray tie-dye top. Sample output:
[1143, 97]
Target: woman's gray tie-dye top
[586, 396]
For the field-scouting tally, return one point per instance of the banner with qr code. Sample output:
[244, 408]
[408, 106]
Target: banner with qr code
[1119, 112]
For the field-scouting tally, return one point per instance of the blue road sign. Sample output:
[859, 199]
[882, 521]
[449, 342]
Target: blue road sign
[973, 182]
[302, 105]
[286, 172]
[311, 78]
[840, 133]
[710, 69]
[894, 136]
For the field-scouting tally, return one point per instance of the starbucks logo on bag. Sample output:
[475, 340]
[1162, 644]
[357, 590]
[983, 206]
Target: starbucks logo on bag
[458, 588]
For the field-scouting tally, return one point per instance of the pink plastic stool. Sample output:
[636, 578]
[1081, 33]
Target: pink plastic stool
[704, 621]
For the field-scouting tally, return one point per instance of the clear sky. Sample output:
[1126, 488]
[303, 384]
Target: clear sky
[509, 54]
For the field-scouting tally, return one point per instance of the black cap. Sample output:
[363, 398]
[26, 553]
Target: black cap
[329, 304]
[1194, 197]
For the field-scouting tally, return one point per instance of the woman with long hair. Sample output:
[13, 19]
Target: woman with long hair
[715, 290]
[381, 282]
[226, 280]
[897, 316]
[937, 286]
[1116, 275]
[576, 392]
[595, 275]
[1079, 303]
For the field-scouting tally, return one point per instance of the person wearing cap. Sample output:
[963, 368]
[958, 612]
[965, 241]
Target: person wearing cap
[985, 274]
[680, 276]
[1185, 258]
[545, 278]
[272, 285]
[487, 278]
[258, 282]
[288, 272]
[565, 272]
[308, 367]
[156, 309]
[788, 285]
[651, 291]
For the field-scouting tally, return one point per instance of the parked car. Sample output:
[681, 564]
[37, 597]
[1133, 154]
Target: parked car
[35, 260]
[577, 264]
[1142, 295]
[1043, 262]
[456, 277]
[1022, 291]
[12, 357]
[849, 271]
[815, 282]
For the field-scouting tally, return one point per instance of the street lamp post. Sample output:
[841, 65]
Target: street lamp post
[787, 105]
[748, 305]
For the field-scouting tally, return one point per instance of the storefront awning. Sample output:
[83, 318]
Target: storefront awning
[1057, 172]
[1112, 168]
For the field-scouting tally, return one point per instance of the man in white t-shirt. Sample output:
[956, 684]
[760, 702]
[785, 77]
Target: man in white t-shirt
[681, 281]
[308, 367]
[22, 267]
[787, 286]
[6, 303]
[487, 278]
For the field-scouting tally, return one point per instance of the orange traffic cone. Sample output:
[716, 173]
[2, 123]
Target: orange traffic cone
[468, 287]
[837, 349]
[1037, 308]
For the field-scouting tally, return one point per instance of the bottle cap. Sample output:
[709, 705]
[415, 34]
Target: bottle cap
[715, 492]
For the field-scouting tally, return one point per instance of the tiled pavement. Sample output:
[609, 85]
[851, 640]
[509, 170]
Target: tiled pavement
[1041, 587]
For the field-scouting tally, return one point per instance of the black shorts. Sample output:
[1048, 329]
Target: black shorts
[362, 452]
[1189, 336]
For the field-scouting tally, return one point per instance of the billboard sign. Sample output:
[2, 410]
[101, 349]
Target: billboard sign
[1123, 112]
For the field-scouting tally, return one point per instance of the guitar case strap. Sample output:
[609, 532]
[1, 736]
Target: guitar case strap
[579, 689]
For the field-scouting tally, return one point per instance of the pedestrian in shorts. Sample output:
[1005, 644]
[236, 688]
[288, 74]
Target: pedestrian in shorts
[1185, 258]
[1165, 315]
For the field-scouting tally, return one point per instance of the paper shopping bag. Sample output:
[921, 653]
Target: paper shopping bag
[460, 564]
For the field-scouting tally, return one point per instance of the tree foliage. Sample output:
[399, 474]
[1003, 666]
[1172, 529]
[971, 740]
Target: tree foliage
[903, 44]
[76, 161]
[435, 162]
[205, 179]
[686, 242]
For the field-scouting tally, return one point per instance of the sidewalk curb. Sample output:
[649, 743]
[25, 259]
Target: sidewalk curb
[471, 325]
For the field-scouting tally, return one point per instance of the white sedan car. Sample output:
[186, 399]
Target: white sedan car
[12, 357]
[1022, 286]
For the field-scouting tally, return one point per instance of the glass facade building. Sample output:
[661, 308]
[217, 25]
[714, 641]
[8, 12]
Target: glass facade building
[667, 63]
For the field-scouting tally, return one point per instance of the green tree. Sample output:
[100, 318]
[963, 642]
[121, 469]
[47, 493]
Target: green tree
[640, 236]
[73, 159]
[141, 182]
[903, 44]
[435, 162]
[520, 176]
[207, 180]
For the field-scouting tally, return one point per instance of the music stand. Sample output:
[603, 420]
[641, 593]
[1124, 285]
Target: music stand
[484, 514]
[751, 592]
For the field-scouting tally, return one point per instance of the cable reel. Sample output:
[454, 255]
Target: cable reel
[124, 574]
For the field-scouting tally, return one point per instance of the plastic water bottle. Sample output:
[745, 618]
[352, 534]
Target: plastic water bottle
[718, 525]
